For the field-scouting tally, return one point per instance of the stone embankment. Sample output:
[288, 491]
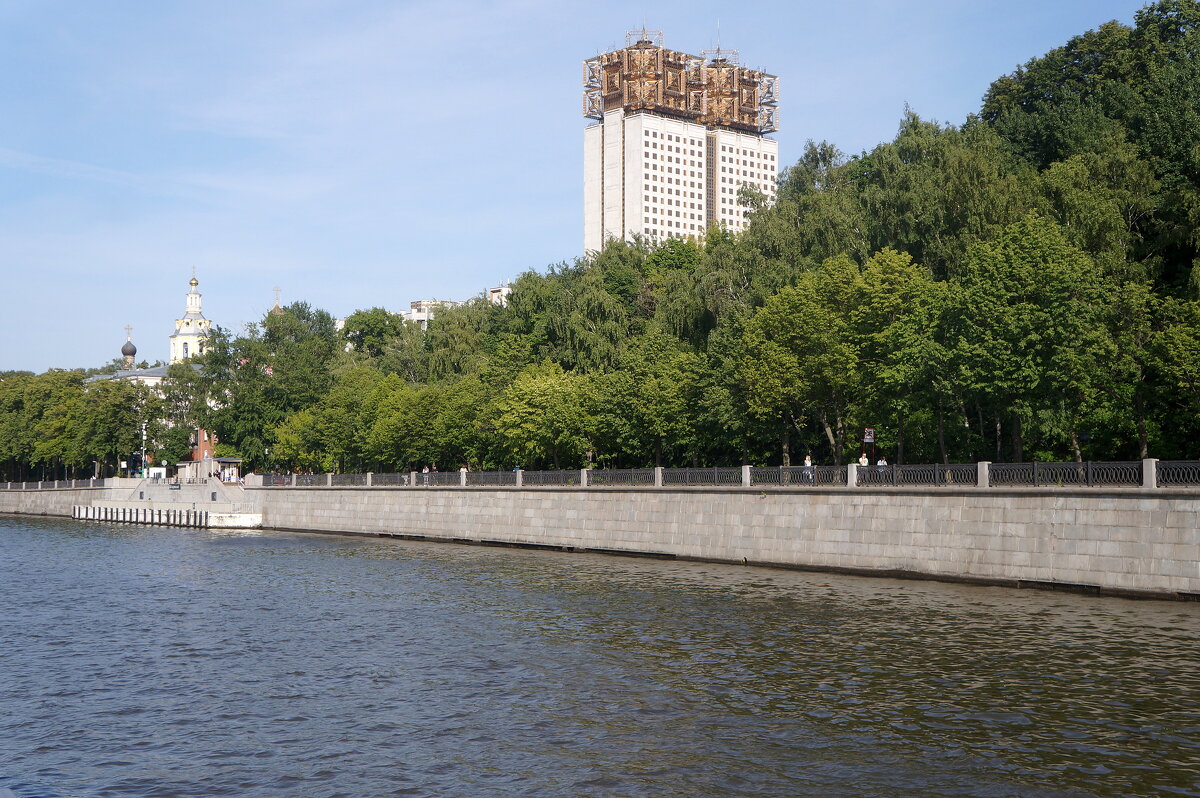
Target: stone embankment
[1137, 540]
[1131, 541]
[198, 503]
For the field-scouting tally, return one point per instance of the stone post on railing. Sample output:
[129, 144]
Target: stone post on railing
[1150, 472]
[329, 480]
[852, 475]
[983, 474]
[583, 477]
[412, 479]
[462, 477]
[745, 476]
[370, 478]
[658, 476]
[520, 478]
[293, 481]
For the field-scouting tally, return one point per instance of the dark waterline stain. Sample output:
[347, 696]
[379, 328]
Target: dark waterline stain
[144, 661]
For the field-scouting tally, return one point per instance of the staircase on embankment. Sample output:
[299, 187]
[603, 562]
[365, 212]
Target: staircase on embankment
[201, 503]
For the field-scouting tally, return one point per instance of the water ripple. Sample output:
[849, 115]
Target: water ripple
[138, 661]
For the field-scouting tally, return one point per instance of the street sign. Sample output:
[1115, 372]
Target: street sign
[868, 435]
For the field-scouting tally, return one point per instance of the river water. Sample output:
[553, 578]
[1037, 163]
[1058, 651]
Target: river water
[145, 661]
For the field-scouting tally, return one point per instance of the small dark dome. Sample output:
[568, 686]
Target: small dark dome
[129, 350]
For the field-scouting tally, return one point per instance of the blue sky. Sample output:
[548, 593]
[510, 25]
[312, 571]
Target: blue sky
[364, 153]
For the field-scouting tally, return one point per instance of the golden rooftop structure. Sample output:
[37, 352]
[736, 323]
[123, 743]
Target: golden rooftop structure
[710, 89]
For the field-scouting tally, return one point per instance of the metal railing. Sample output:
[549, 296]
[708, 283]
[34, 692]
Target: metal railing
[491, 478]
[1178, 473]
[53, 484]
[1167, 474]
[558, 479]
[935, 474]
[700, 476]
[801, 476]
[1090, 474]
[621, 477]
[438, 478]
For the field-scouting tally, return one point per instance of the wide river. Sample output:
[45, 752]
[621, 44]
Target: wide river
[146, 661]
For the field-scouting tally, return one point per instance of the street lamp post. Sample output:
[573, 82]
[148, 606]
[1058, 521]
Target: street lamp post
[143, 462]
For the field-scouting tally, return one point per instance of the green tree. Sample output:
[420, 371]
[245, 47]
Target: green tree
[372, 331]
[543, 417]
[802, 357]
[1030, 325]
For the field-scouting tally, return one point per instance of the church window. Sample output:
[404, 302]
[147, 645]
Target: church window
[185, 349]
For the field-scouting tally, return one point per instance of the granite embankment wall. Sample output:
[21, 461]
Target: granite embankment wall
[1124, 540]
[1137, 541]
[51, 501]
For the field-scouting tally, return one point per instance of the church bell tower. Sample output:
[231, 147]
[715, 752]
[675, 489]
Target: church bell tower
[191, 330]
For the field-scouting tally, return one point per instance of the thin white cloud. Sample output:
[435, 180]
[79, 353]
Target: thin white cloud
[74, 170]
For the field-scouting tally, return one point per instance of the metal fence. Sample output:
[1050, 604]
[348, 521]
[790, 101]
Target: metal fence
[437, 479]
[1169, 473]
[621, 477]
[48, 484]
[802, 476]
[700, 476]
[560, 479]
[491, 478]
[936, 474]
[1089, 474]
[1178, 473]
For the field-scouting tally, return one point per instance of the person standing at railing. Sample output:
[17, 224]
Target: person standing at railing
[808, 468]
[863, 461]
[425, 476]
[881, 466]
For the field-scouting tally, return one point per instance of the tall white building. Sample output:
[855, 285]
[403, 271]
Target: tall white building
[676, 137]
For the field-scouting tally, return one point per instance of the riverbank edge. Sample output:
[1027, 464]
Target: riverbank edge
[916, 576]
[1118, 542]
[1131, 543]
